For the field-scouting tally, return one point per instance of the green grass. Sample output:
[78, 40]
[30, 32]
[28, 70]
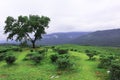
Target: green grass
[87, 68]
[83, 69]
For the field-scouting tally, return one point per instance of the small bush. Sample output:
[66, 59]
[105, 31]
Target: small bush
[37, 58]
[10, 59]
[41, 51]
[62, 51]
[31, 50]
[55, 49]
[52, 47]
[17, 49]
[95, 52]
[75, 50]
[105, 61]
[71, 49]
[87, 51]
[115, 71]
[54, 57]
[90, 55]
[63, 62]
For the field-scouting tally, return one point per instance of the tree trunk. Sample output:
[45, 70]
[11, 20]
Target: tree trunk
[33, 44]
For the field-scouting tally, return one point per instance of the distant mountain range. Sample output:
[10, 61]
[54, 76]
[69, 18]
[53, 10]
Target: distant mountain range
[60, 38]
[98, 38]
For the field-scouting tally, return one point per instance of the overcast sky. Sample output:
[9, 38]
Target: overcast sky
[66, 15]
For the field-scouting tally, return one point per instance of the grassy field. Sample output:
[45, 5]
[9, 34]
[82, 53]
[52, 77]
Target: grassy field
[83, 69]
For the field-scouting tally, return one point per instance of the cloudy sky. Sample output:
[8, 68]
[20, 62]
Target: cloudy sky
[66, 15]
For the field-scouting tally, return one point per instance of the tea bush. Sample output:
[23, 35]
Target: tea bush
[10, 60]
[115, 71]
[105, 61]
[62, 51]
[63, 62]
[37, 58]
[54, 57]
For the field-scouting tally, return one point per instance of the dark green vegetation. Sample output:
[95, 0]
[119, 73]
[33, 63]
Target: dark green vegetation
[62, 62]
[26, 28]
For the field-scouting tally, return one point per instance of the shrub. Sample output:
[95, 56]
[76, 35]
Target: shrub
[105, 61]
[75, 50]
[55, 49]
[54, 57]
[3, 51]
[71, 49]
[87, 51]
[115, 71]
[63, 62]
[95, 52]
[90, 55]
[17, 49]
[41, 51]
[62, 51]
[31, 50]
[10, 59]
[52, 47]
[37, 58]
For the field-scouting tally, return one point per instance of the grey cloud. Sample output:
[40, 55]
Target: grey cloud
[66, 15]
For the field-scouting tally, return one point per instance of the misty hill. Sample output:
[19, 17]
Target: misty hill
[100, 38]
[60, 38]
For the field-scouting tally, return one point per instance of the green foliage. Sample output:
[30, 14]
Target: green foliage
[2, 56]
[63, 62]
[31, 50]
[34, 56]
[42, 51]
[105, 61]
[71, 49]
[10, 60]
[87, 51]
[23, 44]
[82, 69]
[62, 51]
[37, 58]
[90, 55]
[24, 26]
[54, 58]
[17, 49]
[115, 71]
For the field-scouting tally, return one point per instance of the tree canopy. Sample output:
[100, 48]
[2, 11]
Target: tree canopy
[26, 28]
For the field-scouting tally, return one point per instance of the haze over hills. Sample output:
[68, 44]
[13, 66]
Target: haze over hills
[60, 38]
[100, 38]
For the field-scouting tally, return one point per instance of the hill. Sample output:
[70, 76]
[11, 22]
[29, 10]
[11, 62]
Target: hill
[60, 38]
[100, 38]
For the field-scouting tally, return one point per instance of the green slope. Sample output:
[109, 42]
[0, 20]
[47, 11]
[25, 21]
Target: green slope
[25, 70]
[87, 68]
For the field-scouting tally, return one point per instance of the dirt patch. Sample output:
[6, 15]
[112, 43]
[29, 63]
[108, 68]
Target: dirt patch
[3, 75]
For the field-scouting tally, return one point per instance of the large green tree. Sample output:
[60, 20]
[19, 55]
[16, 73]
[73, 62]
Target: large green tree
[24, 28]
